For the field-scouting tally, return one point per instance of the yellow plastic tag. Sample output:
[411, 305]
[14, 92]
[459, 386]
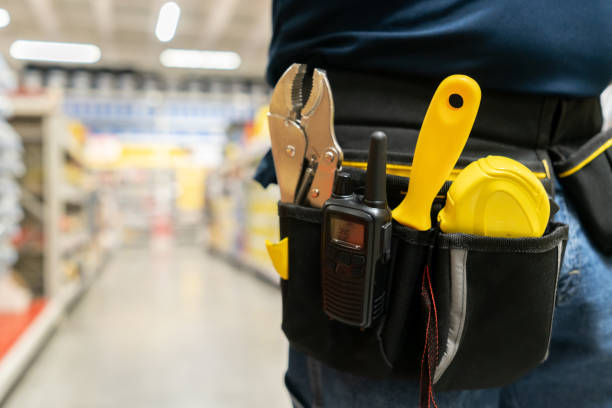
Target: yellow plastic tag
[279, 255]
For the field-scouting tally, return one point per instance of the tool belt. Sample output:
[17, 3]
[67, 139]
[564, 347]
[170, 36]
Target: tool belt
[467, 311]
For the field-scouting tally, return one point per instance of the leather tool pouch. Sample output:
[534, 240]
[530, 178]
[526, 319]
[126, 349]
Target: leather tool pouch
[484, 304]
[586, 174]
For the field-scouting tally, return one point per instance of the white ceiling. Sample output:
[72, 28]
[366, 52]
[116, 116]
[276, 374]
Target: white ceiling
[124, 29]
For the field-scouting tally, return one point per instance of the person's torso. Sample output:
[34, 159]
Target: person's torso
[544, 47]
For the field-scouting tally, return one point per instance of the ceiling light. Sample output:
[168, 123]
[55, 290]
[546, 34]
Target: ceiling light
[5, 18]
[167, 21]
[55, 51]
[200, 59]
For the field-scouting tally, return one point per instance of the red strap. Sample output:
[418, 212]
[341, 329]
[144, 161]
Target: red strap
[429, 360]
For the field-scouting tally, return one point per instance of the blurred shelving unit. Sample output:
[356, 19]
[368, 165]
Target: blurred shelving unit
[241, 214]
[62, 244]
[139, 177]
[147, 199]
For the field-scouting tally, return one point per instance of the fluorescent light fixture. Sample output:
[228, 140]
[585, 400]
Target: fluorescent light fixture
[55, 52]
[167, 21]
[5, 18]
[196, 59]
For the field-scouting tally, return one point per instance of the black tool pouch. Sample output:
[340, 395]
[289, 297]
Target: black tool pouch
[491, 304]
[496, 300]
[305, 324]
[586, 174]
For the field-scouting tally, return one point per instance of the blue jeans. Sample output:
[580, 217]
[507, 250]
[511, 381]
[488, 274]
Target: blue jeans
[578, 372]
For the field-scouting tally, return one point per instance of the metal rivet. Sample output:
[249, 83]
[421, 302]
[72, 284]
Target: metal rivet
[290, 150]
[330, 156]
[315, 192]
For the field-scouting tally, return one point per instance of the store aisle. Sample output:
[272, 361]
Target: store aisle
[175, 329]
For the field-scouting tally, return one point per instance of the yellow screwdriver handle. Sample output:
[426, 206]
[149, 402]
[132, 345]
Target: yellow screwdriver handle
[443, 135]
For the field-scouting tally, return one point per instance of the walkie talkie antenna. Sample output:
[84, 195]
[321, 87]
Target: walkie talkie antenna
[376, 173]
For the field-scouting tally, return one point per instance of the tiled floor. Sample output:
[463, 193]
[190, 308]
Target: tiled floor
[175, 329]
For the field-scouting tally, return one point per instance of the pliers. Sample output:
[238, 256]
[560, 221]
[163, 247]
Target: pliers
[304, 147]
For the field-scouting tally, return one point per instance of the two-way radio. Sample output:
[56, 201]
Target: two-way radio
[356, 243]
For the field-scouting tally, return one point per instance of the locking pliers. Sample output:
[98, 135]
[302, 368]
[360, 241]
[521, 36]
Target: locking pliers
[304, 146]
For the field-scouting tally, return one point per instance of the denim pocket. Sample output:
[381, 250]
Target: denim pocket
[570, 276]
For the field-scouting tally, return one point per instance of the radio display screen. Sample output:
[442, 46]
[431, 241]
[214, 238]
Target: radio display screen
[347, 233]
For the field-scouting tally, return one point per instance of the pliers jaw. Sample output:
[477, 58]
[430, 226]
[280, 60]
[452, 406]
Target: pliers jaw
[288, 138]
[302, 131]
[318, 123]
[287, 97]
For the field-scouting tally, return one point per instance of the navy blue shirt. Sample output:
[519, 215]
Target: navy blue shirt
[534, 46]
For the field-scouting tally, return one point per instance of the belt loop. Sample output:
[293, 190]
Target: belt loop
[550, 113]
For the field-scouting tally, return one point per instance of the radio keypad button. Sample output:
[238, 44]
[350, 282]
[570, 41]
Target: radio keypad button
[358, 260]
[343, 257]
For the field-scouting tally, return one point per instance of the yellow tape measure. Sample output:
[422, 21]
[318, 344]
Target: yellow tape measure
[497, 197]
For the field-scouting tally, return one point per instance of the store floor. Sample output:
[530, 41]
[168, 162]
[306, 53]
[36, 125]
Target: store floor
[176, 328]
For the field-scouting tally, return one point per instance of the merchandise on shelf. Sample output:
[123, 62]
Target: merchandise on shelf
[61, 228]
[14, 297]
[241, 214]
[10, 209]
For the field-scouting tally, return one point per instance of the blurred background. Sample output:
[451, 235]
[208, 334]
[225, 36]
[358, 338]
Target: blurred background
[133, 269]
